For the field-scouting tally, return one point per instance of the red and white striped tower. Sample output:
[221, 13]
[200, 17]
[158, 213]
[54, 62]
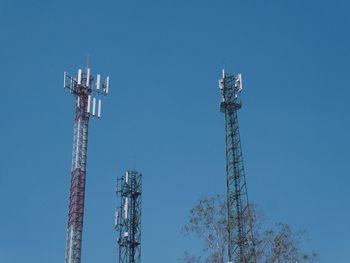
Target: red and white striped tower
[86, 91]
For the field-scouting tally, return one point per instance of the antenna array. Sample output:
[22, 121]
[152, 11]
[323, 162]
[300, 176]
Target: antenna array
[84, 85]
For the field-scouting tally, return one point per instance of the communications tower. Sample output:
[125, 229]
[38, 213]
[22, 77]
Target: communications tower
[85, 90]
[241, 247]
[128, 217]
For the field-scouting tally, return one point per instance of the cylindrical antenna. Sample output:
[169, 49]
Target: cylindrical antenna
[98, 82]
[88, 104]
[99, 108]
[79, 76]
[87, 77]
[126, 208]
[93, 106]
[64, 79]
[107, 85]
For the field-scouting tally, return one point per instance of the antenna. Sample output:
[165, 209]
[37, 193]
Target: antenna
[64, 79]
[240, 235]
[239, 85]
[87, 60]
[84, 86]
[87, 77]
[98, 82]
[93, 106]
[129, 221]
[89, 104]
[106, 85]
[99, 108]
[83, 89]
[79, 76]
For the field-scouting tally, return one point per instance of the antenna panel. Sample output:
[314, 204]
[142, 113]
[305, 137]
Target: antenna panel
[107, 85]
[221, 83]
[94, 106]
[87, 77]
[239, 82]
[126, 208]
[64, 79]
[89, 104]
[98, 82]
[99, 108]
[79, 76]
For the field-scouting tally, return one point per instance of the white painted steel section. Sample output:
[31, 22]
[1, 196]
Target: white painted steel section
[77, 146]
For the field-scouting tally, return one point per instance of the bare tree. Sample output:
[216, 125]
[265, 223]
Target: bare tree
[208, 222]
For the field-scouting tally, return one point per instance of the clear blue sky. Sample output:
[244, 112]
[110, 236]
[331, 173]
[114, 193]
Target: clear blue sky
[162, 117]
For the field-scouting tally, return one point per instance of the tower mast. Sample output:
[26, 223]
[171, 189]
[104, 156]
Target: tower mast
[128, 217]
[85, 90]
[241, 247]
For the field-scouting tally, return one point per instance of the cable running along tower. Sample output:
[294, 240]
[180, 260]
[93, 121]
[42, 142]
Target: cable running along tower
[128, 217]
[241, 247]
[85, 90]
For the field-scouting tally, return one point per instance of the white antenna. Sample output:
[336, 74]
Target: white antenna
[87, 77]
[107, 85]
[126, 199]
[89, 104]
[79, 76]
[99, 108]
[223, 73]
[126, 208]
[64, 79]
[221, 83]
[94, 106]
[239, 82]
[98, 82]
[85, 87]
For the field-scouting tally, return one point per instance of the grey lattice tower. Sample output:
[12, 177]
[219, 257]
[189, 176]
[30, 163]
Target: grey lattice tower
[85, 90]
[128, 217]
[241, 243]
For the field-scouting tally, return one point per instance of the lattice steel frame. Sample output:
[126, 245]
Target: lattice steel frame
[241, 246]
[82, 89]
[128, 217]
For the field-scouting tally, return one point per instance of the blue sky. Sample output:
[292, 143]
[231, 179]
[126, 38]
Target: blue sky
[162, 117]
